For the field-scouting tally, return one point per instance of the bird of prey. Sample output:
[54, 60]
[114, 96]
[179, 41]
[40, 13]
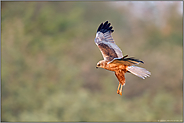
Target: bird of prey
[113, 57]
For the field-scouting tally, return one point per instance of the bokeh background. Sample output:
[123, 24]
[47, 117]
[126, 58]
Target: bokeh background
[49, 59]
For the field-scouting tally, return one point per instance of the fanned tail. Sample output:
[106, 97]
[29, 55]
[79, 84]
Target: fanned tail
[138, 71]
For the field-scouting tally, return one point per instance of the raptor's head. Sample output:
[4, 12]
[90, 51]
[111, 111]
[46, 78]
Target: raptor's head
[100, 64]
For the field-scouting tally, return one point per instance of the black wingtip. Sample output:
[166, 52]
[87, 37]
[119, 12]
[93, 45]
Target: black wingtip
[142, 62]
[105, 27]
[132, 59]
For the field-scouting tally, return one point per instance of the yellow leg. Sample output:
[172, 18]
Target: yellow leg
[118, 88]
[121, 90]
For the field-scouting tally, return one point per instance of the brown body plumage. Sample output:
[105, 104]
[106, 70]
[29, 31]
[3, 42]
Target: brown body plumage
[119, 70]
[114, 59]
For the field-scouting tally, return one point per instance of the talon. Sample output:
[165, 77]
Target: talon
[118, 92]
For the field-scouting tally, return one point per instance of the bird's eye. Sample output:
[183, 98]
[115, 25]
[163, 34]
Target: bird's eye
[98, 64]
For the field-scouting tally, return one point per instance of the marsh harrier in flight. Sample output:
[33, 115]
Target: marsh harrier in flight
[114, 59]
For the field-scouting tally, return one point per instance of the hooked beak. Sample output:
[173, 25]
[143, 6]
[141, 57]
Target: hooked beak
[96, 67]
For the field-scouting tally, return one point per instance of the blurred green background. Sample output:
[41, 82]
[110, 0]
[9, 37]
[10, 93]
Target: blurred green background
[49, 59]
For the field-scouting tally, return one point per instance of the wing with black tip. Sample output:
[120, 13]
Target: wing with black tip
[125, 61]
[105, 42]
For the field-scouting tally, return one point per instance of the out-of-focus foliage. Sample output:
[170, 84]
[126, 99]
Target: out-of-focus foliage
[49, 59]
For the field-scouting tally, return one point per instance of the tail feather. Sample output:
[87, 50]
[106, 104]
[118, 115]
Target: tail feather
[138, 71]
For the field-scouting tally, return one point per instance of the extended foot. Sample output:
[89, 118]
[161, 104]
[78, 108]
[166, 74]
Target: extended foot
[118, 91]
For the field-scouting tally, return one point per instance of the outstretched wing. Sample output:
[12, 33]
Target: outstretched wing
[106, 44]
[126, 61]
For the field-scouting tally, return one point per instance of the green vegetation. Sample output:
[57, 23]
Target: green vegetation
[49, 59]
